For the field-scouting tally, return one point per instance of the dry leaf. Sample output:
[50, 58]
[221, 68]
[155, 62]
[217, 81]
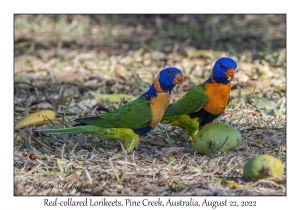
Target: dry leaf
[62, 165]
[18, 138]
[42, 106]
[67, 77]
[42, 117]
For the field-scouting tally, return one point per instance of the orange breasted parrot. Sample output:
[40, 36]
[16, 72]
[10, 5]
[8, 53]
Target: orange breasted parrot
[204, 103]
[134, 119]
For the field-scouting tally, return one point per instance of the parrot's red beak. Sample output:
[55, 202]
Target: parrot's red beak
[178, 79]
[230, 74]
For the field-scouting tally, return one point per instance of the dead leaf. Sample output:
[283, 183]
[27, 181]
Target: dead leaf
[39, 118]
[241, 76]
[62, 165]
[19, 109]
[67, 77]
[18, 138]
[42, 106]
[87, 104]
[283, 89]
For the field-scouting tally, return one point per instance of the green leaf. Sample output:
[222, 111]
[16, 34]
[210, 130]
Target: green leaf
[269, 112]
[265, 106]
[113, 98]
[262, 103]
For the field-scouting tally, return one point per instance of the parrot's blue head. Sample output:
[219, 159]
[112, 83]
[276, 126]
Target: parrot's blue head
[223, 71]
[168, 78]
[165, 81]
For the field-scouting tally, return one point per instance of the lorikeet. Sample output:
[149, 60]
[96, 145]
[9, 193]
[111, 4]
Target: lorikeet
[134, 119]
[204, 103]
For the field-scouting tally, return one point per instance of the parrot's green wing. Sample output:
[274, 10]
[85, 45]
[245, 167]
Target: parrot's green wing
[134, 114]
[189, 103]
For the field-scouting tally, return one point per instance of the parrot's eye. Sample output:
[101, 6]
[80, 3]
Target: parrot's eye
[221, 65]
[168, 71]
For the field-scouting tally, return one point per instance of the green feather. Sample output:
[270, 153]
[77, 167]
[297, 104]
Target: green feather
[191, 125]
[125, 135]
[189, 103]
[134, 114]
[177, 113]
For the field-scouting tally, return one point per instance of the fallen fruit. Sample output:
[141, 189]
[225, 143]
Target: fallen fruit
[263, 166]
[216, 137]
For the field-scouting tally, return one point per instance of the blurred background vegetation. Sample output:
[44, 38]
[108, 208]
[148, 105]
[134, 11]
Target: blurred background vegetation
[87, 48]
[233, 33]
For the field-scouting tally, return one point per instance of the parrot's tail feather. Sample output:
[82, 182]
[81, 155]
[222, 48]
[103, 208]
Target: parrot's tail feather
[72, 130]
[125, 135]
[86, 120]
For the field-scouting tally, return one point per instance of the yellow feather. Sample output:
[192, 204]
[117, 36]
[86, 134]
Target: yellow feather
[125, 135]
[191, 125]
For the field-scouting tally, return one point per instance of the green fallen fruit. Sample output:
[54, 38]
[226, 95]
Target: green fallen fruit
[263, 166]
[215, 138]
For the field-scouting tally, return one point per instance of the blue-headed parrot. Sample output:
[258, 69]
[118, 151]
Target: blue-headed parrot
[134, 119]
[204, 103]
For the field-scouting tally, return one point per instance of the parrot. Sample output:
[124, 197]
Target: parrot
[134, 119]
[204, 103]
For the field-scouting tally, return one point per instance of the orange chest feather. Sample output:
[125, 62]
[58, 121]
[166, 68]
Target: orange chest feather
[218, 96]
[158, 106]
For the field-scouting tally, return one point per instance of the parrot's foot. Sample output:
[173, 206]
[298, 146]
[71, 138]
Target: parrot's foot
[130, 144]
[192, 140]
[194, 132]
